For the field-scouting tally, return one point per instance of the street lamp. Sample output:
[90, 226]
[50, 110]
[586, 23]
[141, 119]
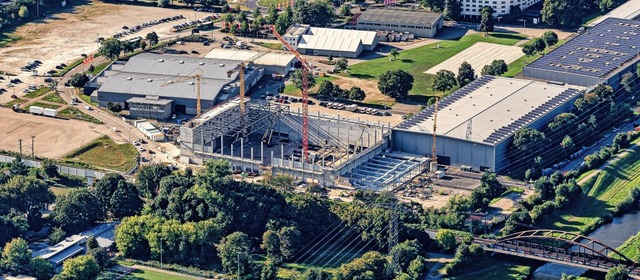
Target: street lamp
[524, 26]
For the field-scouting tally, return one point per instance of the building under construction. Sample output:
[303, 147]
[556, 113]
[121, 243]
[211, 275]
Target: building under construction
[268, 137]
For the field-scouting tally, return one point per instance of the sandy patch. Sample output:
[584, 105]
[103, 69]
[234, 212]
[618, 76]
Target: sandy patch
[479, 55]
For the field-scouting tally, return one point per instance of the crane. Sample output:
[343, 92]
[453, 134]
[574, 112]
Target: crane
[240, 68]
[198, 77]
[305, 92]
[434, 156]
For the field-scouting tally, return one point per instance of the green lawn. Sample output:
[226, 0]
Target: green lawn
[37, 92]
[517, 65]
[105, 153]
[8, 38]
[606, 190]
[631, 247]
[73, 113]
[290, 89]
[70, 66]
[87, 99]
[44, 105]
[505, 193]
[54, 97]
[57, 191]
[273, 46]
[267, 3]
[417, 61]
[152, 275]
[291, 270]
[15, 101]
[98, 68]
[496, 271]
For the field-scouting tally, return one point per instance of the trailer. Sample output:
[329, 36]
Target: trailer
[35, 110]
[49, 112]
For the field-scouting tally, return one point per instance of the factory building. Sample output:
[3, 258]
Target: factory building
[272, 62]
[330, 41]
[472, 8]
[628, 10]
[602, 54]
[157, 86]
[418, 23]
[476, 123]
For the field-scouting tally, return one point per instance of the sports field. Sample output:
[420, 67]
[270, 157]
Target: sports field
[479, 55]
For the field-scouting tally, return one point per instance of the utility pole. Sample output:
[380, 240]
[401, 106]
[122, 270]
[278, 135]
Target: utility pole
[20, 145]
[33, 153]
[238, 265]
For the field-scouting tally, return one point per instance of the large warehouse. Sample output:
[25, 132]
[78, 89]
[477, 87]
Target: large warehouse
[419, 23]
[271, 62]
[150, 84]
[628, 10]
[475, 124]
[600, 55]
[330, 41]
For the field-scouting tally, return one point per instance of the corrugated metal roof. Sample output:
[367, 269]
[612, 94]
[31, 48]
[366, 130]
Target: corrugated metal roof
[270, 59]
[142, 100]
[181, 66]
[311, 42]
[395, 16]
[367, 37]
[628, 10]
[150, 85]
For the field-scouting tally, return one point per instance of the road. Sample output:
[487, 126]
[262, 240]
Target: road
[127, 132]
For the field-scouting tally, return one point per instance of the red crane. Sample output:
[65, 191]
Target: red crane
[306, 68]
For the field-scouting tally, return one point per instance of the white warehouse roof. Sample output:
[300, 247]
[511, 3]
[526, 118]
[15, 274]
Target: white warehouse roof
[493, 107]
[628, 10]
[259, 58]
[329, 43]
[367, 37]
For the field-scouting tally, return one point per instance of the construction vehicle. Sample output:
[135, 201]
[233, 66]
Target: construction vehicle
[306, 69]
[198, 81]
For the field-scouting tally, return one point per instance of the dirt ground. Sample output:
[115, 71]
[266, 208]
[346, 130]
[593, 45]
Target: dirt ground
[53, 137]
[479, 55]
[65, 36]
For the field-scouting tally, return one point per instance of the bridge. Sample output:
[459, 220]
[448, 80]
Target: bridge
[560, 247]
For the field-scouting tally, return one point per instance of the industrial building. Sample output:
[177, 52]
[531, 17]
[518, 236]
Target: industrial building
[271, 62]
[475, 124]
[268, 139]
[602, 54]
[330, 41]
[628, 10]
[157, 86]
[472, 8]
[418, 23]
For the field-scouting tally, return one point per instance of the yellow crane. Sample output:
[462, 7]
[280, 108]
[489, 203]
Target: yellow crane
[198, 82]
[240, 68]
[434, 157]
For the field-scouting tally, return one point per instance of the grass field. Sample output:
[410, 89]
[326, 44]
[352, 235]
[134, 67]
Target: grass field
[267, 3]
[15, 101]
[73, 113]
[606, 190]
[44, 105]
[517, 65]
[505, 193]
[98, 68]
[291, 270]
[54, 97]
[8, 38]
[105, 153]
[291, 89]
[417, 61]
[37, 92]
[631, 247]
[496, 271]
[273, 46]
[140, 274]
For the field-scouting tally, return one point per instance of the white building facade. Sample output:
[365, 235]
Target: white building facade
[472, 8]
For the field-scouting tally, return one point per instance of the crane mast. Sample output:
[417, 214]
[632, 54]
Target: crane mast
[305, 93]
[434, 156]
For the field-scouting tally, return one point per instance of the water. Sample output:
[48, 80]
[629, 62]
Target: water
[619, 230]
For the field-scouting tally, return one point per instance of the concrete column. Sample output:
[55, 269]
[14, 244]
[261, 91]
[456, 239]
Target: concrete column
[242, 147]
[261, 152]
[212, 144]
[368, 140]
[282, 153]
[231, 150]
[375, 136]
[272, 158]
[222, 144]
[202, 141]
[251, 159]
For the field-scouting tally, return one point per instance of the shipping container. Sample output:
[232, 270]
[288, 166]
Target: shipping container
[49, 112]
[35, 110]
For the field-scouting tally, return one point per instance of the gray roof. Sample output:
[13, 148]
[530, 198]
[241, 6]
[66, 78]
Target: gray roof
[399, 16]
[598, 52]
[142, 100]
[150, 85]
[181, 66]
[628, 10]
[493, 107]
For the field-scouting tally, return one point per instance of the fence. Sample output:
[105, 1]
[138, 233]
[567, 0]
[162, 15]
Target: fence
[68, 170]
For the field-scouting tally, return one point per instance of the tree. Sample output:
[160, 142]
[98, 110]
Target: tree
[78, 80]
[290, 239]
[77, 210]
[23, 12]
[315, 13]
[163, 3]
[417, 267]
[395, 53]
[617, 273]
[105, 187]
[269, 270]
[443, 81]
[539, 44]
[406, 252]
[606, 5]
[256, 12]
[28, 196]
[562, 12]
[148, 179]
[466, 74]
[56, 236]
[110, 48]
[125, 201]
[436, 6]
[16, 256]
[296, 77]
[17, 167]
[152, 37]
[101, 256]
[345, 10]
[528, 49]
[91, 243]
[527, 139]
[395, 83]
[49, 168]
[80, 268]
[234, 253]
[496, 68]
[567, 143]
[370, 266]
[486, 20]
[342, 64]
[282, 23]
[452, 9]
[628, 81]
[143, 45]
[446, 239]
[271, 245]
[325, 88]
[515, 13]
[272, 14]
[40, 269]
[317, 190]
[356, 93]
[550, 38]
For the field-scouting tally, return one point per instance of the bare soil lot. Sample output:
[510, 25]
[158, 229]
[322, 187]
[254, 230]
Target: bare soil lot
[65, 36]
[53, 137]
[479, 55]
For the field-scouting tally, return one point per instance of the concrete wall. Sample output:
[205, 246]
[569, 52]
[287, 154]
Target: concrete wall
[428, 30]
[559, 76]
[461, 152]
[332, 52]
[163, 113]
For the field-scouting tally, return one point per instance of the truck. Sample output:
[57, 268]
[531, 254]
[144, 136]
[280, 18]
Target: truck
[49, 112]
[35, 110]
